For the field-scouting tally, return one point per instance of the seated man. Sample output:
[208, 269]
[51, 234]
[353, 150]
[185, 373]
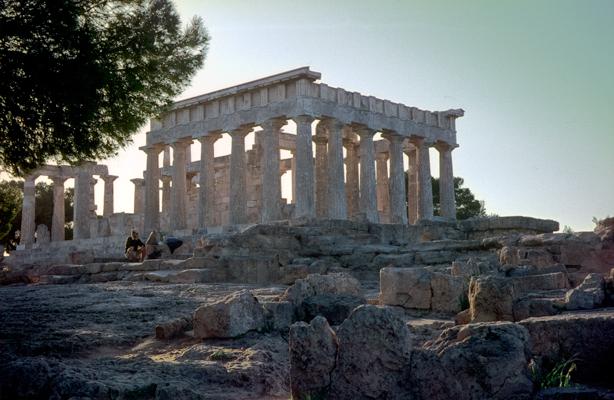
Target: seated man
[135, 249]
[155, 249]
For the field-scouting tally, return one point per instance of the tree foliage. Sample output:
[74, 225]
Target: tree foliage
[467, 206]
[79, 77]
[43, 207]
[10, 206]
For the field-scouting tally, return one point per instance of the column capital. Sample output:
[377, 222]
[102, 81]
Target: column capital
[274, 124]
[241, 131]
[318, 139]
[443, 147]
[109, 178]
[154, 148]
[138, 181]
[166, 178]
[303, 119]
[58, 179]
[332, 123]
[210, 137]
[392, 136]
[363, 130]
[349, 143]
[182, 143]
[420, 141]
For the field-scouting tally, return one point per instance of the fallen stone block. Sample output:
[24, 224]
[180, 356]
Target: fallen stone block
[235, 315]
[491, 298]
[278, 314]
[334, 307]
[313, 352]
[475, 361]
[374, 352]
[406, 287]
[173, 328]
[589, 294]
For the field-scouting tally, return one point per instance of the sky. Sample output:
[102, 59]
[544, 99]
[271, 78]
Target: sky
[535, 78]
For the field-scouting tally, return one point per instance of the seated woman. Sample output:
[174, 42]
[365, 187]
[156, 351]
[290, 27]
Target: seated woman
[135, 248]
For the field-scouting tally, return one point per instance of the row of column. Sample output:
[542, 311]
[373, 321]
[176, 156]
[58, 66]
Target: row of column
[321, 190]
[83, 205]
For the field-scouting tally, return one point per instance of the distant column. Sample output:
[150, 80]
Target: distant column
[59, 218]
[383, 195]
[166, 194]
[412, 186]
[321, 170]
[107, 209]
[425, 190]
[368, 195]
[293, 172]
[398, 210]
[92, 205]
[178, 217]
[271, 182]
[446, 181]
[81, 214]
[351, 173]
[28, 211]
[151, 218]
[238, 176]
[206, 197]
[337, 207]
[139, 191]
[305, 205]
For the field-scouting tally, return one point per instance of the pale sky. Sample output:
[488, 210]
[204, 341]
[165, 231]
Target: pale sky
[536, 79]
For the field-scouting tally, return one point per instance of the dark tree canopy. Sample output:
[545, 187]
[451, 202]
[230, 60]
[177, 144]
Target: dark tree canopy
[467, 205]
[79, 77]
[10, 206]
[43, 205]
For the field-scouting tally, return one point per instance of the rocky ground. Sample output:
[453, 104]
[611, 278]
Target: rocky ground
[97, 341]
[486, 309]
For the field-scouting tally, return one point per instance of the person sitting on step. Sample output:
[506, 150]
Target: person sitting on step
[135, 248]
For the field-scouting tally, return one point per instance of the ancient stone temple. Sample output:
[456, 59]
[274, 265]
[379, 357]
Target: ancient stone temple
[352, 175]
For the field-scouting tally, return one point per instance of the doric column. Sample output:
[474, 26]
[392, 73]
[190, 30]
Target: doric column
[271, 183]
[351, 172]
[368, 196]
[305, 205]
[337, 207]
[321, 170]
[293, 173]
[139, 191]
[166, 194]
[396, 186]
[412, 186]
[446, 181]
[383, 195]
[151, 217]
[81, 216]
[425, 190]
[107, 208]
[92, 205]
[178, 217]
[59, 218]
[28, 211]
[238, 184]
[206, 194]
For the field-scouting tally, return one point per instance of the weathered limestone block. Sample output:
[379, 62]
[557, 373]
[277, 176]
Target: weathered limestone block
[278, 314]
[173, 328]
[529, 283]
[586, 336]
[334, 307]
[338, 283]
[587, 295]
[42, 234]
[238, 313]
[491, 298]
[535, 306]
[477, 361]
[313, 352]
[448, 292]
[373, 357]
[406, 287]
